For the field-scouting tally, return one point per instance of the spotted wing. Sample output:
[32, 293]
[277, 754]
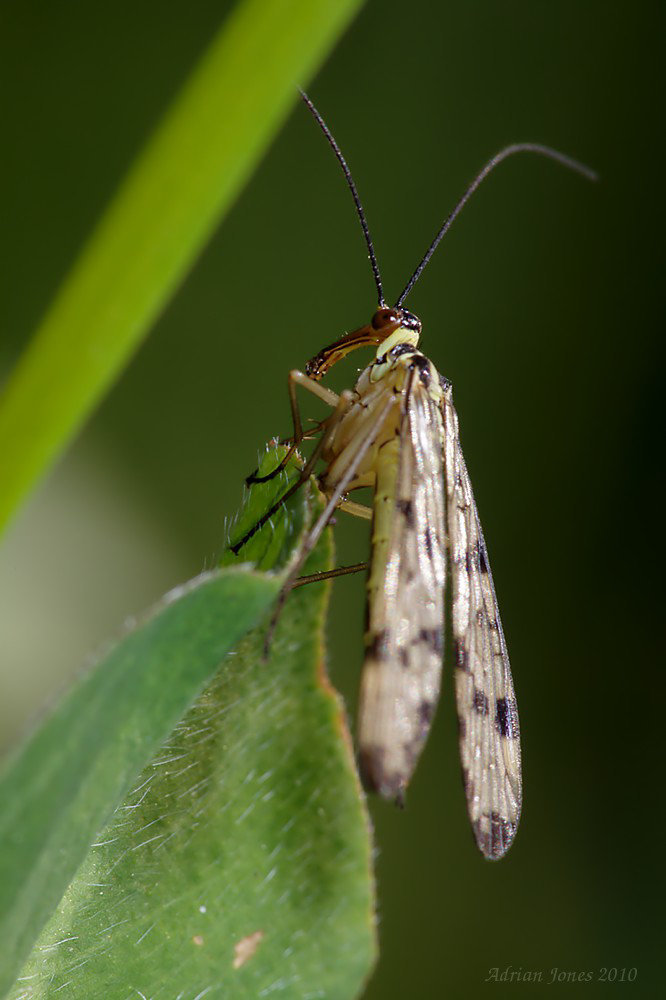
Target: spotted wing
[488, 718]
[404, 639]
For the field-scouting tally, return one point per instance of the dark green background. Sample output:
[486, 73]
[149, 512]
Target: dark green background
[542, 307]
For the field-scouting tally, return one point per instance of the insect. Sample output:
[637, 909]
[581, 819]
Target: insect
[397, 432]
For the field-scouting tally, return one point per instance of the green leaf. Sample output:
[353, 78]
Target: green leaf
[65, 783]
[180, 186]
[271, 547]
[247, 828]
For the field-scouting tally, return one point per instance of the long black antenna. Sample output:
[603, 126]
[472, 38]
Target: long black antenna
[352, 187]
[518, 147]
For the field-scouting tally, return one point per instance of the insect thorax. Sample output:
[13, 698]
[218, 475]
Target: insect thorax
[397, 369]
[399, 361]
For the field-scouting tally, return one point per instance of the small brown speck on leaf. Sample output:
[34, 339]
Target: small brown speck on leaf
[245, 948]
[198, 940]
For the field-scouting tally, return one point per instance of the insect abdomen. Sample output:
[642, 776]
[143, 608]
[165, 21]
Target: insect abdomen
[380, 770]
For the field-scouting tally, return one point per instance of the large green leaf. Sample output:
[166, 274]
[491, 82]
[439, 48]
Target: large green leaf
[247, 828]
[178, 189]
[66, 782]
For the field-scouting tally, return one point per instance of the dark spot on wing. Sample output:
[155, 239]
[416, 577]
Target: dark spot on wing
[378, 645]
[461, 655]
[406, 508]
[466, 782]
[433, 638]
[494, 834]
[483, 619]
[480, 702]
[506, 718]
[426, 712]
[403, 656]
[376, 777]
[475, 559]
[427, 539]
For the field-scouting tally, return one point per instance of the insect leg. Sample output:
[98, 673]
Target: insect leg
[326, 395]
[356, 509]
[329, 574]
[343, 403]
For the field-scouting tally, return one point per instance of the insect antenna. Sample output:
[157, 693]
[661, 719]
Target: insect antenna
[518, 147]
[354, 193]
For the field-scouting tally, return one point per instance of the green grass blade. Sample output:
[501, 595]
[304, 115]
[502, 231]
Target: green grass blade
[176, 192]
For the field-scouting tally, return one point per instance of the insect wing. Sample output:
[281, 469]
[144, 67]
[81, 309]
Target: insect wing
[488, 718]
[404, 641]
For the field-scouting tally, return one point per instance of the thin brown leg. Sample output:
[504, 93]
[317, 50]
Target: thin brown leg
[343, 403]
[329, 574]
[294, 379]
[356, 510]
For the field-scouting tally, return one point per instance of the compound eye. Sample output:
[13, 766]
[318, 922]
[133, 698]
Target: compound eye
[385, 317]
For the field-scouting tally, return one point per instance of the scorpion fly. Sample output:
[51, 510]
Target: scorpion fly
[397, 432]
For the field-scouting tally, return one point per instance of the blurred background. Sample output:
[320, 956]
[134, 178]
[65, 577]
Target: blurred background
[542, 306]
